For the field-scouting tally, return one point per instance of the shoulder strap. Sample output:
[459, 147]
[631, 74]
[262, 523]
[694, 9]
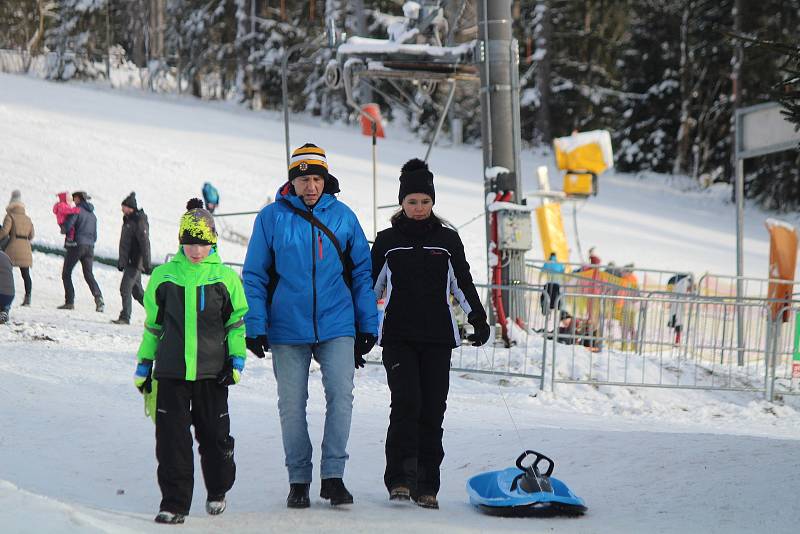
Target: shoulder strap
[347, 271]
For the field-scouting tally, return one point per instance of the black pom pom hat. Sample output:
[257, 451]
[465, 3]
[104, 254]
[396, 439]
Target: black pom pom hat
[416, 178]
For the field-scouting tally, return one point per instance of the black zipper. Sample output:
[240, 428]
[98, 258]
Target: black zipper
[314, 278]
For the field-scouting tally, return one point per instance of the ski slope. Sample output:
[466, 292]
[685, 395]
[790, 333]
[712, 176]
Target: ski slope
[77, 453]
[84, 137]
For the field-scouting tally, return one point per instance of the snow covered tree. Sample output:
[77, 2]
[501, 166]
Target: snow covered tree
[75, 40]
[645, 137]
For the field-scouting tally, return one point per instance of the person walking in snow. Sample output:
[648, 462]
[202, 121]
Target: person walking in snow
[85, 225]
[307, 280]
[418, 263]
[134, 256]
[211, 197]
[18, 227]
[6, 286]
[193, 348]
[553, 273]
[681, 285]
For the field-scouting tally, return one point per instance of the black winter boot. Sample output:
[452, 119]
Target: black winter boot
[27, 300]
[99, 304]
[169, 518]
[298, 496]
[67, 306]
[334, 490]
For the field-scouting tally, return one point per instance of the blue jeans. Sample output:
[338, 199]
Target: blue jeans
[290, 364]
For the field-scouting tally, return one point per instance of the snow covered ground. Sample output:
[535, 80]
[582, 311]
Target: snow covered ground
[77, 453]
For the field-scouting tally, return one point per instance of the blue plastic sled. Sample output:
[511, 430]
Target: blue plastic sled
[523, 491]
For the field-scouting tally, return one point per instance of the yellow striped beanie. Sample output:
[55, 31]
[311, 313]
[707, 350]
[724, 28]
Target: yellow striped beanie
[306, 160]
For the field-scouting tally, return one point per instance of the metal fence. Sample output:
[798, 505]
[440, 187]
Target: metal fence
[641, 339]
[725, 285]
[605, 335]
[524, 358]
[647, 279]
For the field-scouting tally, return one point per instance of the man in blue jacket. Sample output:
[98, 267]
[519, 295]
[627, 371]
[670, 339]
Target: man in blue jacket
[308, 282]
[85, 224]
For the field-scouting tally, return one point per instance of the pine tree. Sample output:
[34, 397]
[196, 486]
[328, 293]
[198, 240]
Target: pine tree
[74, 40]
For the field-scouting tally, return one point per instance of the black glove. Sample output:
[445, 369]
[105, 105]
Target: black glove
[229, 374]
[143, 377]
[363, 344]
[257, 345]
[482, 331]
[120, 267]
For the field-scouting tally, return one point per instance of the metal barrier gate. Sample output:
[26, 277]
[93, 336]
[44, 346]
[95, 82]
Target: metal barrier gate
[525, 358]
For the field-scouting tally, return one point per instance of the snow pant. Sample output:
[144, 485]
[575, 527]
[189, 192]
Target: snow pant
[181, 404]
[85, 255]
[26, 279]
[290, 364]
[5, 302]
[552, 289]
[419, 379]
[131, 286]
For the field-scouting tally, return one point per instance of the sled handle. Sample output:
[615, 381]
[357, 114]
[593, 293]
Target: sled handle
[534, 467]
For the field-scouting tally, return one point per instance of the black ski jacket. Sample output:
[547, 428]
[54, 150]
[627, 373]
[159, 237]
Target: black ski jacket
[134, 242]
[85, 224]
[419, 264]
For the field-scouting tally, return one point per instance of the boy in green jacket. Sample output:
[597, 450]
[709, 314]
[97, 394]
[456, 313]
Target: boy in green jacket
[194, 334]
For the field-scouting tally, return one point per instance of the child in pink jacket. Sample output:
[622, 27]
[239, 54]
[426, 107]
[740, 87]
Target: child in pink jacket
[63, 209]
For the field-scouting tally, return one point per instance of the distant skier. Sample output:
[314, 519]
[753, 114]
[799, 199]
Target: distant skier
[194, 333]
[681, 285]
[85, 225]
[18, 227]
[6, 286]
[134, 256]
[553, 271]
[211, 197]
[419, 263]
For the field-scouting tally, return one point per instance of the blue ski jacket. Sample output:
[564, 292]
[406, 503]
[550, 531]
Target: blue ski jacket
[293, 275]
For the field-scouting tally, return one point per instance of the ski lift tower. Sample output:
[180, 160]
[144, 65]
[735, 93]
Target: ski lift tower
[419, 52]
[508, 220]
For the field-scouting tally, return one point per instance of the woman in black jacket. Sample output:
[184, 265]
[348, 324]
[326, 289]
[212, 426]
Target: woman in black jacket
[416, 265]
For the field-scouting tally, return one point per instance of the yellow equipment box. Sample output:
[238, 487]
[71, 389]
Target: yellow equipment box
[579, 184]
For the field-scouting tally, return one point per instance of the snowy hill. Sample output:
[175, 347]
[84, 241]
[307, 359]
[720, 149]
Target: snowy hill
[82, 137]
[77, 454]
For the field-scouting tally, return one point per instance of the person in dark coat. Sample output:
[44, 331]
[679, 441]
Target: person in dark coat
[6, 286]
[418, 263]
[85, 225]
[134, 256]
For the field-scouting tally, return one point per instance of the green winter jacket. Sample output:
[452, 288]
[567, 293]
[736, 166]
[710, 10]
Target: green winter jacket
[194, 318]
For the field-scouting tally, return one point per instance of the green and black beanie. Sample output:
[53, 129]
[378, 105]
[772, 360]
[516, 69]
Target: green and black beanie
[197, 225]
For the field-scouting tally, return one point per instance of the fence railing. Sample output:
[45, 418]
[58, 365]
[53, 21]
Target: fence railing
[647, 279]
[614, 336]
[725, 285]
[641, 339]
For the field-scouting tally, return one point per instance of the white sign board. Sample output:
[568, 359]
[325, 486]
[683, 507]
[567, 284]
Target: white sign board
[763, 129]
